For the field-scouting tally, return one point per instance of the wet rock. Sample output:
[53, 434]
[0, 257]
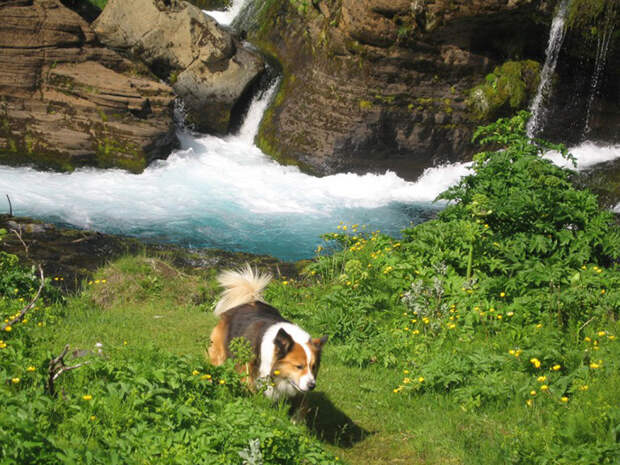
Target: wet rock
[386, 84]
[74, 254]
[65, 101]
[209, 69]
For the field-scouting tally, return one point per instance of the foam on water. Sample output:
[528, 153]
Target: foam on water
[227, 16]
[225, 193]
[587, 154]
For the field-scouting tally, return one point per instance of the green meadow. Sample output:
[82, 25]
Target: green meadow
[488, 335]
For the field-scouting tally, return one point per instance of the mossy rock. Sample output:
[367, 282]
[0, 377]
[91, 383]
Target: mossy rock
[507, 89]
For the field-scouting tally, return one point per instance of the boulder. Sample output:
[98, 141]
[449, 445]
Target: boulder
[66, 102]
[206, 66]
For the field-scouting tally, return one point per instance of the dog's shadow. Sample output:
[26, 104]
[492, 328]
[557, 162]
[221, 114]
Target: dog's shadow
[329, 423]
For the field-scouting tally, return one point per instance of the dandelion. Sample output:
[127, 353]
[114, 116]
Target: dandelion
[406, 372]
[499, 317]
[512, 352]
[2, 345]
[541, 379]
[535, 362]
[556, 367]
[544, 387]
[612, 337]
[564, 399]
[30, 368]
[602, 291]
[421, 379]
[502, 294]
[529, 402]
[510, 313]
[93, 418]
[8, 328]
[87, 397]
[601, 333]
[284, 283]
[594, 365]
[222, 381]
[583, 387]
[539, 325]
[195, 372]
[415, 331]
[206, 376]
[15, 380]
[406, 380]
[451, 326]
[587, 339]
[532, 393]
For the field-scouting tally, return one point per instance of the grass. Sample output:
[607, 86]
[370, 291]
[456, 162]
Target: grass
[143, 301]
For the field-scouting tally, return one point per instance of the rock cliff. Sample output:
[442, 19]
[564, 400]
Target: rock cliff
[399, 84]
[65, 101]
[206, 66]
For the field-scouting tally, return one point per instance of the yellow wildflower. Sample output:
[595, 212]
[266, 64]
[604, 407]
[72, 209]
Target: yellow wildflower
[15, 380]
[30, 368]
[544, 387]
[564, 399]
[8, 328]
[222, 381]
[557, 367]
[421, 379]
[532, 393]
[87, 397]
[594, 365]
[541, 379]
[535, 362]
[529, 402]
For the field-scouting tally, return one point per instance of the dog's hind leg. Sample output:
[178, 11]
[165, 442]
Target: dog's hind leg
[217, 349]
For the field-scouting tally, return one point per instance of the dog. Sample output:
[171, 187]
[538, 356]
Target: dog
[286, 358]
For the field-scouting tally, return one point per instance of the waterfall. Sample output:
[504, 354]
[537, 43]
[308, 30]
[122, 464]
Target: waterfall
[227, 16]
[602, 47]
[538, 107]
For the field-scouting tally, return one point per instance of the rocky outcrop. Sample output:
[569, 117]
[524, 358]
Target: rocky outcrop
[398, 84]
[205, 65]
[65, 101]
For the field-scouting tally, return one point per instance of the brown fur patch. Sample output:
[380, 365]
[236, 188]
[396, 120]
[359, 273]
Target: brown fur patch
[288, 366]
[217, 349]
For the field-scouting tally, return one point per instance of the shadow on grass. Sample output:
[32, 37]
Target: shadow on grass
[330, 424]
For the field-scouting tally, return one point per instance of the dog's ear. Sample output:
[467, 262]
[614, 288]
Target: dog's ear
[319, 342]
[284, 343]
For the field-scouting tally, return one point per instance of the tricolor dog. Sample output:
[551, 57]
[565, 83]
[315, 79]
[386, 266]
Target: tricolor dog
[286, 358]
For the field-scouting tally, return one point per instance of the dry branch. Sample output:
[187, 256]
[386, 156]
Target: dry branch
[57, 367]
[10, 205]
[30, 306]
[19, 236]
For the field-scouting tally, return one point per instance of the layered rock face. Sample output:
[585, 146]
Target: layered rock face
[65, 101]
[205, 65]
[398, 84]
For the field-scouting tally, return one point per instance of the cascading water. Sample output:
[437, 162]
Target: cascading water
[224, 192]
[227, 16]
[602, 47]
[543, 93]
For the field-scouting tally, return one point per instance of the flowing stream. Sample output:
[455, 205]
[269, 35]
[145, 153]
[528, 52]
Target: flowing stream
[224, 192]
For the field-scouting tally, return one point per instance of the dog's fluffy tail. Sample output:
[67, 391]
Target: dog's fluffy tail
[240, 287]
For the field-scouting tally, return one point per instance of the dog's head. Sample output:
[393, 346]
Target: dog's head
[296, 364]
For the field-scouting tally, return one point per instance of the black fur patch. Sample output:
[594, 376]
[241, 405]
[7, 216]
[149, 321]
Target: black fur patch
[251, 321]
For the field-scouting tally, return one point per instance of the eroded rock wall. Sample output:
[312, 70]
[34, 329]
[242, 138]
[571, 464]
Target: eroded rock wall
[65, 101]
[398, 84]
[205, 65]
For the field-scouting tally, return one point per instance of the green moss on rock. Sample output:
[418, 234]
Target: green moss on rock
[507, 89]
